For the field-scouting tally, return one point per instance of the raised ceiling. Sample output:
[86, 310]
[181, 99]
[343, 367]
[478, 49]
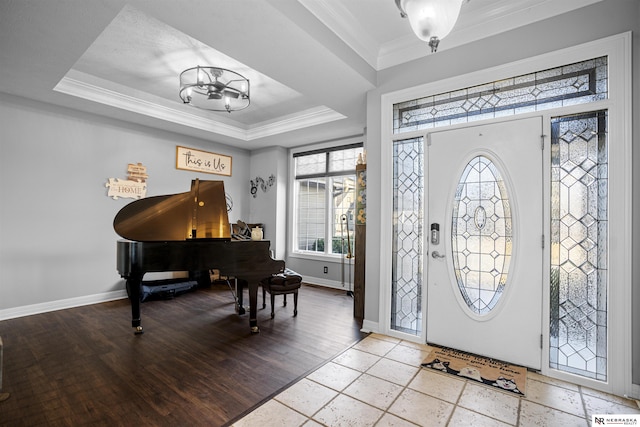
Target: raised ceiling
[310, 62]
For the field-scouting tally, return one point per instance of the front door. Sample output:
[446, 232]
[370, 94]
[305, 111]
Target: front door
[484, 264]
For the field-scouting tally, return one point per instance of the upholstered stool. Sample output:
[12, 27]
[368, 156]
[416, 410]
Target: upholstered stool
[287, 282]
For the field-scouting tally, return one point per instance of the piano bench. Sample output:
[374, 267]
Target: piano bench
[287, 282]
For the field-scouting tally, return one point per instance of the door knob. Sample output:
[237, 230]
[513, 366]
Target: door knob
[436, 255]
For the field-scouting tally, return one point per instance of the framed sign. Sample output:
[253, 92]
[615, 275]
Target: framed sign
[202, 161]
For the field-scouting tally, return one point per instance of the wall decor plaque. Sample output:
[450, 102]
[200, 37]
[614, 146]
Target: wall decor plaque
[134, 187]
[202, 161]
[125, 188]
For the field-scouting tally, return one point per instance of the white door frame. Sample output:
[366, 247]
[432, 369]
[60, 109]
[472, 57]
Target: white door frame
[619, 105]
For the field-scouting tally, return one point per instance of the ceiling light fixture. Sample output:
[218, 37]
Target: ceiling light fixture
[214, 89]
[431, 20]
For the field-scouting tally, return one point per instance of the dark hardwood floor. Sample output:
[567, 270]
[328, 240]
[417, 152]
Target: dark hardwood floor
[197, 364]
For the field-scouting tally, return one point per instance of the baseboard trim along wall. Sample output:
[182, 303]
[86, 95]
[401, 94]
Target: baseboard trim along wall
[28, 310]
[369, 327]
[327, 283]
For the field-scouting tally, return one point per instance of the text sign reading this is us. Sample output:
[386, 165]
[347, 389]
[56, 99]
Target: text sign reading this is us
[202, 161]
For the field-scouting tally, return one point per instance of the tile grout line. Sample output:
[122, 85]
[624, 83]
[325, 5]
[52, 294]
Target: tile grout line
[340, 392]
[397, 344]
[519, 410]
[455, 405]
[384, 411]
[404, 388]
[584, 404]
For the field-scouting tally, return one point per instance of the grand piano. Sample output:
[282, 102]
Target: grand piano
[188, 232]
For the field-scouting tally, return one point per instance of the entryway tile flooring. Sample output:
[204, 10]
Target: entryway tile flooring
[379, 382]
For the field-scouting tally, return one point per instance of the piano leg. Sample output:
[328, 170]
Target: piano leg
[253, 304]
[239, 295]
[134, 282]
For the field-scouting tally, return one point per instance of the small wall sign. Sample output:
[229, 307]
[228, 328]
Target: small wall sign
[134, 187]
[126, 189]
[202, 161]
[137, 172]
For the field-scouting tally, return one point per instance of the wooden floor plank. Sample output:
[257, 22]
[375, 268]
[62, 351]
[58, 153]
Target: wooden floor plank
[196, 364]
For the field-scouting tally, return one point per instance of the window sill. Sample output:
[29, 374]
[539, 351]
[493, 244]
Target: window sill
[316, 257]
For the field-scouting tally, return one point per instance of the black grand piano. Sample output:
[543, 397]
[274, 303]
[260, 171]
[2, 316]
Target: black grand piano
[188, 232]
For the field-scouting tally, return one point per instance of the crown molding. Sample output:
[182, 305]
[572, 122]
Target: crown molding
[307, 118]
[304, 119]
[479, 20]
[126, 102]
[338, 19]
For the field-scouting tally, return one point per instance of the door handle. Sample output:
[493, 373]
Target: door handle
[436, 255]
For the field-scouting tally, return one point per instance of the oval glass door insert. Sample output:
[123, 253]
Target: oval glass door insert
[481, 235]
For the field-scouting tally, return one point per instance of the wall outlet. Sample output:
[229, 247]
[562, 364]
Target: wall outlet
[326, 269]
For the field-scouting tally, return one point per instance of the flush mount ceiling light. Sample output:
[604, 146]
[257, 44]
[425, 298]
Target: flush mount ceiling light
[431, 20]
[214, 89]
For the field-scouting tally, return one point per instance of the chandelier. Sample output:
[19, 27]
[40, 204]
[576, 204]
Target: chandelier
[214, 89]
[431, 20]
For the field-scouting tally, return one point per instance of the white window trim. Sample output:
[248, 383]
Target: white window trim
[291, 231]
[618, 50]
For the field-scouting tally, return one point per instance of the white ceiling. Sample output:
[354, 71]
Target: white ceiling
[310, 62]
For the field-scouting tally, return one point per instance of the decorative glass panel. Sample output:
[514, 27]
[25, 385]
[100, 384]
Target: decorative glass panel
[408, 213]
[577, 83]
[481, 235]
[579, 199]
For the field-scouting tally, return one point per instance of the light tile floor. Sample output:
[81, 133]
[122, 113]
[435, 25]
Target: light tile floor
[379, 382]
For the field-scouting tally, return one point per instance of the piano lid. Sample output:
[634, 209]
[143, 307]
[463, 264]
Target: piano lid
[198, 214]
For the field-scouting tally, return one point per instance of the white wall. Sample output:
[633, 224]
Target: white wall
[56, 236]
[603, 19]
[270, 207]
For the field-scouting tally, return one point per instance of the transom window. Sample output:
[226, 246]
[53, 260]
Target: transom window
[577, 83]
[324, 199]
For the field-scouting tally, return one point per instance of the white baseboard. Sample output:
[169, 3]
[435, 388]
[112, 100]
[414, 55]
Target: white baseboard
[327, 283]
[370, 327]
[28, 310]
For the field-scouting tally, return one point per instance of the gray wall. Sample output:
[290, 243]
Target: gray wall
[594, 22]
[56, 236]
[270, 207]
[337, 275]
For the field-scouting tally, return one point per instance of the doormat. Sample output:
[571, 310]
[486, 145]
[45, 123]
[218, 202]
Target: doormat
[490, 372]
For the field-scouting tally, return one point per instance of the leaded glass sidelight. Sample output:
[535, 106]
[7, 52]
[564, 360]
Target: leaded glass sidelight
[407, 252]
[481, 235]
[579, 187]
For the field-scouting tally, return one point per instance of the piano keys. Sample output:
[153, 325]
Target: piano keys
[187, 232]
